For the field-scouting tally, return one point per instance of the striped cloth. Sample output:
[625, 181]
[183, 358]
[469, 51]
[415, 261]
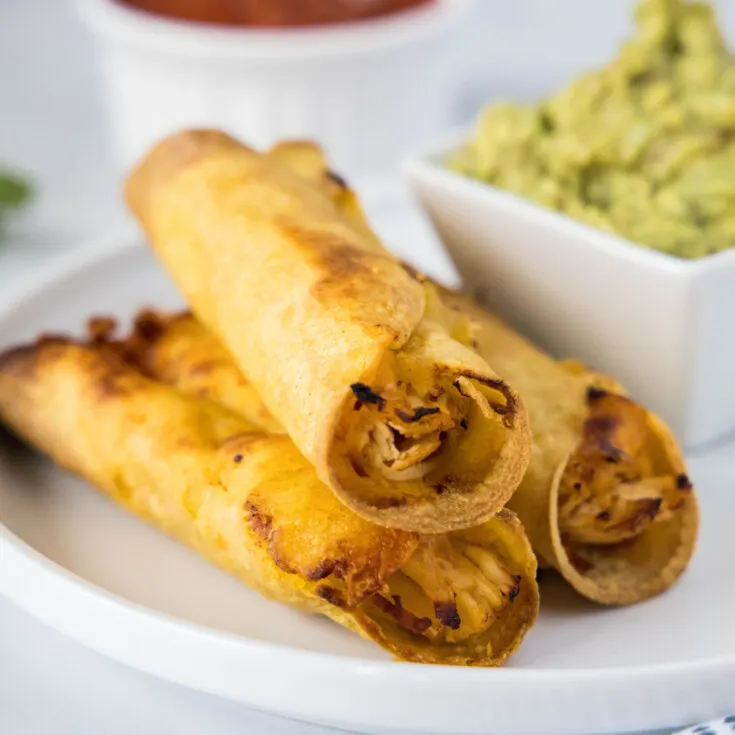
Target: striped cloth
[724, 726]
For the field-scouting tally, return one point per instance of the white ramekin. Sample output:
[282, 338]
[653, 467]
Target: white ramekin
[365, 90]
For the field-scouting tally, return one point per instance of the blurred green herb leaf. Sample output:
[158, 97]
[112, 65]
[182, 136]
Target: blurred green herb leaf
[14, 191]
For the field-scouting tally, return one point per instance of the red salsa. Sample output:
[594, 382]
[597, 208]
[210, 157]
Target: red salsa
[274, 13]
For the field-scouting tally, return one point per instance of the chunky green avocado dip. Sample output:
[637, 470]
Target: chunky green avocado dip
[644, 147]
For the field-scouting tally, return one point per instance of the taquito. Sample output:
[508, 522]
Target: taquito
[606, 500]
[249, 502]
[410, 428]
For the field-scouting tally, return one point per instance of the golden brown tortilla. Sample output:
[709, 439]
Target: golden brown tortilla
[410, 428]
[250, 503]
[606, 499]
[619, 531]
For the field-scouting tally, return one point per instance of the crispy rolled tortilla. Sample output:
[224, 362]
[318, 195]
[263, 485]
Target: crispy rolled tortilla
[249, 502]
[606, 500]
[410, 428]
[306, 159]
[192, 359]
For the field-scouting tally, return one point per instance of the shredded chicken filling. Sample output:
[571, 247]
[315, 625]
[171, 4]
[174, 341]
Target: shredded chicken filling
[611, 490]
[449, 591]
[399, 434]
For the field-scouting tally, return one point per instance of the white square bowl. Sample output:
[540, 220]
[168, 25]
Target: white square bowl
[663, 326]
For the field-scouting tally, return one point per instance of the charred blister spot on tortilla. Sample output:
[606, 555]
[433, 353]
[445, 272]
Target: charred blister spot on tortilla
[55, 339]
[580, 564]
[382, 503]
[348, 274]
[418, 414]
[597, 430]
[237, 458]
[337, 567]
[20, 360]
[112, 382]
[278, 559]
[613, 454]
[595, 393]
[683, 482]
[440, 488]
[463, 423]
[330, 595]
[515, 590]
[601, 425]
[335, 178]
[260, 521]
[366, 395]
[447, 614]
[101, 328]
[577, 485]
[603, 515]
[403, 617]
[339, 258]
[149, 325]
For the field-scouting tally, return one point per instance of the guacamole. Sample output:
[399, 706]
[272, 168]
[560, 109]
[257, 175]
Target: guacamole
[644, 147]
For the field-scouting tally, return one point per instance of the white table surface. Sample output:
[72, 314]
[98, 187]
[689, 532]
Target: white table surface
[52, 127]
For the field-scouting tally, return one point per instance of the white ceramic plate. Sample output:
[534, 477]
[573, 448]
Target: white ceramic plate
[83, 566]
